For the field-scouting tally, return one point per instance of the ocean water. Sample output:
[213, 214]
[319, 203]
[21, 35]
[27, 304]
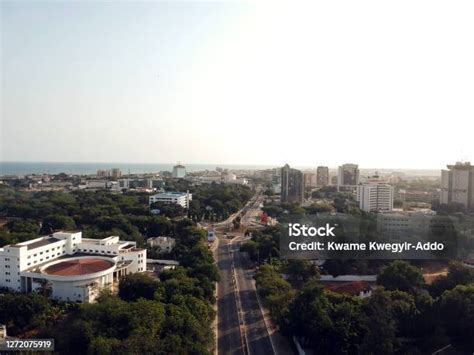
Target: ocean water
[23, 168]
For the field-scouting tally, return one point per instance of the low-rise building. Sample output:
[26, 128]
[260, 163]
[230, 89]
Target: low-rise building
[362, 289]
[99, 185]
[410, 195]
[231, 178]
[141, 183]
[405, 224]
[166, 244]
[180, 198]
[73, 268]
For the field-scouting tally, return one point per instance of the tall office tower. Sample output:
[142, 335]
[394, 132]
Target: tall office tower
[348, 175]
[375, 196]
[322, 176]
[309, 180]
[457, 185]
[292, 185]
[179, 171]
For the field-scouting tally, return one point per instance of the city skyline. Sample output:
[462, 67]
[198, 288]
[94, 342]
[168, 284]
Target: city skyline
[6, 167]
[226, 83]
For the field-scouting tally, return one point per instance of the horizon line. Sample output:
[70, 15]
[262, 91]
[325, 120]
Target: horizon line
[314, 166]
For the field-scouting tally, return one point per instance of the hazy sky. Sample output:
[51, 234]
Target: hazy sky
[378, 83]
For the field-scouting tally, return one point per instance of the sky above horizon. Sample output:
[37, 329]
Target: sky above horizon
[381, 84]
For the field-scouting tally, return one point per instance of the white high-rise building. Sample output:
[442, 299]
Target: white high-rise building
[179, 171]
[375, 196]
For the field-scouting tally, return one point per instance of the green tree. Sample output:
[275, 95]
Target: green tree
[457, 275]
[456, 309]
[135, 286]
[400, 275]
[380, 326]
[301, 270]
[56, 222]
[22, 312]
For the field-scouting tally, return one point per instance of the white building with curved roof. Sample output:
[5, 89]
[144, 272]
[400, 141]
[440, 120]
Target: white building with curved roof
[72, 268]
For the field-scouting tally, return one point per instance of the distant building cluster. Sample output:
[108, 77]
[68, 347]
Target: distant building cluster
[114, 173]
[141, 184]
[217, 176]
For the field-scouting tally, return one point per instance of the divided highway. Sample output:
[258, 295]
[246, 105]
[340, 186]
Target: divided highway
[241, 327]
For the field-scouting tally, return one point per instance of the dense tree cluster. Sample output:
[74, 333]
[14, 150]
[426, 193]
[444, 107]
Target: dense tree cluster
[217, 201]
[401, 316]
[264, 244]
[101, 213]
[24, 312]
[172, 314]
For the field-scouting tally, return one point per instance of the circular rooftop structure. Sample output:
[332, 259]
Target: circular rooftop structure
[78, 267]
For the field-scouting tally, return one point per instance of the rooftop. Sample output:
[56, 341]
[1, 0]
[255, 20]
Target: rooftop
[37, 242]
[351, 288]
[171, 194]
[78, 266]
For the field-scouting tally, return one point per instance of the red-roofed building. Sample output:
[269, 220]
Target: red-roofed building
[75, 269]
[355, 288]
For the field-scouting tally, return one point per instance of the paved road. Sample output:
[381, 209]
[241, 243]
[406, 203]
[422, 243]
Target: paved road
[252, 337]
[258, 339]
[229, 336]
